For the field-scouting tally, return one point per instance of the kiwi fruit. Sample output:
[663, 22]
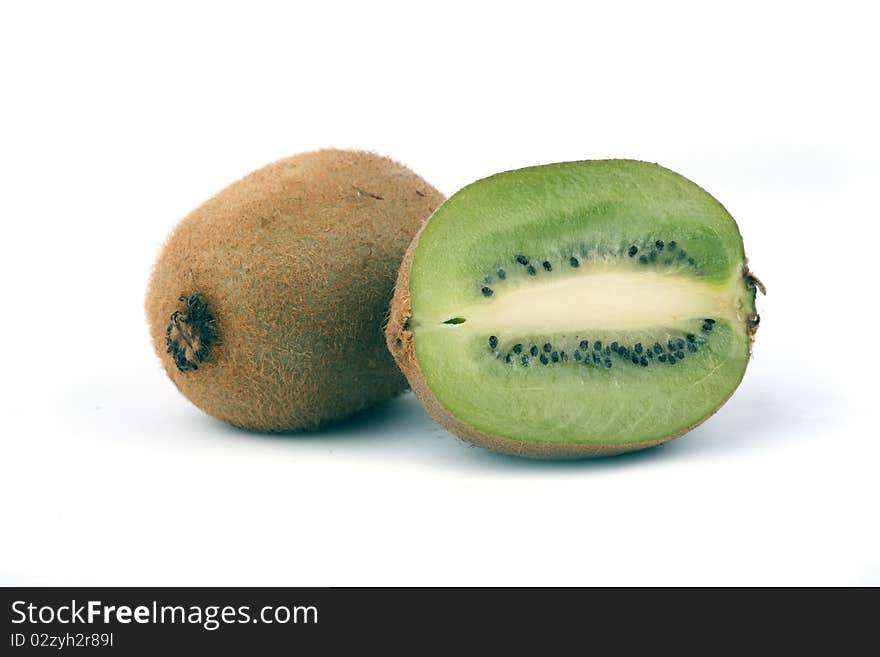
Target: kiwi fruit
[267, 303]
[575, 309]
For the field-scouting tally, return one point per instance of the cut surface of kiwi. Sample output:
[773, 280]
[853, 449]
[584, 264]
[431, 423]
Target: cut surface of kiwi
[575, 309]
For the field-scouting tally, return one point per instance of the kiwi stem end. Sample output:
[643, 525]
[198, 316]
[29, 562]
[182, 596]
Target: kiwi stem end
[191, 332]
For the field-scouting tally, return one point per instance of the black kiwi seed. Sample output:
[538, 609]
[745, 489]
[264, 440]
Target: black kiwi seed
[533, 351]
[487, 291]
[517, 348]
[690, 261]
[493, 341]
[643, 259]
[525, 361]
[584, 345]
[638, 348]
[635, 359]
[547, 265]
[624, 352]
[662, 358]
[574, 262]
[690, 337]
[532, 271]
[507, 358]
[614, 346]
[607, 362]
[670, 345]
[577, 355]
[544, 359]
[596, 359]
[709, 320]
[671, 359]
[650, 353]
[659, 244]
[607, 351]
[692, 348]
[521, 259]
[597, 345]
[653, 256]
[554, 356]
[548, 347]
[658, 347]
[502, 274]
[671, 246]
[707, 326]
[679, 355]
[563, 356]
[632, 250]
[643, 361]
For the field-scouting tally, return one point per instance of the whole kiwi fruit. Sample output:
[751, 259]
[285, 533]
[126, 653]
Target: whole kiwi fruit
[575, 309]
[266, 304]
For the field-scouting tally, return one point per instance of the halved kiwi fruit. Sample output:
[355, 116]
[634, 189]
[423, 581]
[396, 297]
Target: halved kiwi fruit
[575, 309]
[267, 303]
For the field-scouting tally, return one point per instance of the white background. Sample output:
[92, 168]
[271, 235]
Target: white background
[115, 122]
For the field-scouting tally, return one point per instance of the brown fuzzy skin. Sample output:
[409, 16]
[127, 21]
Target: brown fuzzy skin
[296, 263]
[399, 339]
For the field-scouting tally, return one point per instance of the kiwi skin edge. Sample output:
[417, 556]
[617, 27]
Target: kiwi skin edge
[399, 338]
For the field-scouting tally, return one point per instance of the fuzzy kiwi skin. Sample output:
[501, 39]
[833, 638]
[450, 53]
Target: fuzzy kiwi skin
[399, 339]
[296, 263]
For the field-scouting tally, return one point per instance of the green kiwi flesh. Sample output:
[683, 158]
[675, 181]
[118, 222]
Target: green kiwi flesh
[575, 309]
